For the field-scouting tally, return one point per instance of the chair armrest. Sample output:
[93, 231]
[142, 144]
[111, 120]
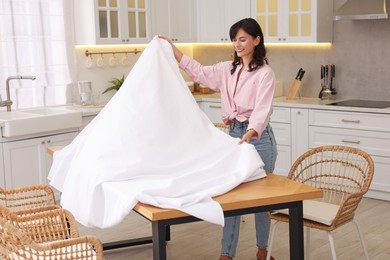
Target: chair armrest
[348, 208]
[85, 247]
[47, 225]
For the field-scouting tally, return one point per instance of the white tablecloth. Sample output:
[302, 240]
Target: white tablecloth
[151, 143]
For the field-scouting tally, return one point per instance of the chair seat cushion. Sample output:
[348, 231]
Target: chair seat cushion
[317, 211]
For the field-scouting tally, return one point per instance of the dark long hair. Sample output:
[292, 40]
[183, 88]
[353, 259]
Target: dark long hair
[251, 27]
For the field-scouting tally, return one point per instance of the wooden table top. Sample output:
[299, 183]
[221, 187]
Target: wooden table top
[52, 149]
[271, 190]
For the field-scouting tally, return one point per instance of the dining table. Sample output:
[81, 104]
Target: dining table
[272, 192]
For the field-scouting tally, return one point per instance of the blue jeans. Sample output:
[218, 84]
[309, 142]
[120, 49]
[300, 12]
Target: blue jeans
[266, 147]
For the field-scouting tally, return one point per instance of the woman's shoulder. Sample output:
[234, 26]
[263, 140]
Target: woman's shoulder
[264, 69]
[227, 64]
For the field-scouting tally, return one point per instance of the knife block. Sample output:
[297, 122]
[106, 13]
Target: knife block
[293, 90]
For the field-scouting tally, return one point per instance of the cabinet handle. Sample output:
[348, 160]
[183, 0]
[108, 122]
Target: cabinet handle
[211, 106]
[350, 142]
[350, 121]
[222, 39]
[48, 141]
[43, 142]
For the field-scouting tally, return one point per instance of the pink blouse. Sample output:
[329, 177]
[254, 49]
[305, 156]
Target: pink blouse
[253, 96]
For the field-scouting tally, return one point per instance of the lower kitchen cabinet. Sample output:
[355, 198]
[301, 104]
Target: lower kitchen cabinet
[281, 126]
[212, 110]
[369, 132]
[27, 162]
[298, 129]
[299, 132]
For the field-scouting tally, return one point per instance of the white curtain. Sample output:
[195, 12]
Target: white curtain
[36, 39]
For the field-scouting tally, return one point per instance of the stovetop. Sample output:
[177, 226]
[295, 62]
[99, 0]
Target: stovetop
[362, 103]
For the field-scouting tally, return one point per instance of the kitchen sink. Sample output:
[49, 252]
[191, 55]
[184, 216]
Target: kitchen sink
[38, 120]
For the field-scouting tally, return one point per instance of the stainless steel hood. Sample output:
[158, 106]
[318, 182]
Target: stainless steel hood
[360, 10]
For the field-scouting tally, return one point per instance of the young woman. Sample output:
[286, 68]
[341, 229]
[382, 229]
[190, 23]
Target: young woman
[247, 86]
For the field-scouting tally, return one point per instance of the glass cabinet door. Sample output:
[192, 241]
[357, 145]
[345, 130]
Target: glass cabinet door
[268, 16]
[108, 13]
[136, 18]
[294, 20]
[122, 21]
[300, 22]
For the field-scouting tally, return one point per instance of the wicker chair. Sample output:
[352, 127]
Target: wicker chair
[15, 244]
[27, 197]
[344, 174]
[221, 126]
[43, 226]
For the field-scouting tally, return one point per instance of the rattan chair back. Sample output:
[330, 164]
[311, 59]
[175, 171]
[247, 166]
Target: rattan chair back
[43, 225]
[343, 173]
[15, 244]
[221, 126]
[27, 197]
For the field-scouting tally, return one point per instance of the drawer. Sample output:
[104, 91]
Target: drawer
[281, 115]
[351, 120]
[373, 143]
[282, 133]
[212, 110]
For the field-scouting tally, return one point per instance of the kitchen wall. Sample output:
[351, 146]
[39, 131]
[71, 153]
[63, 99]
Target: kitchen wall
[360, 51]
[99, 76]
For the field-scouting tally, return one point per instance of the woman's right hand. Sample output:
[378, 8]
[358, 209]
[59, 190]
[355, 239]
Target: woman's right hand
[165, 38]
[178, 54]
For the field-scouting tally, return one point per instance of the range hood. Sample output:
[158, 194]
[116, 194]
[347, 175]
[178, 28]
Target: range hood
[360, 10]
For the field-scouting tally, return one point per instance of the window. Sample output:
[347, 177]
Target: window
[36, 39]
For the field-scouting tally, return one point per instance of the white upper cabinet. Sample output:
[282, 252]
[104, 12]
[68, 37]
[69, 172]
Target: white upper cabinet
[216, 16]
[112, 21]
[294, 20]
[174, 19]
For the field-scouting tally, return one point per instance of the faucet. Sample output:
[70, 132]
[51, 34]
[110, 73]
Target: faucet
[8, 103]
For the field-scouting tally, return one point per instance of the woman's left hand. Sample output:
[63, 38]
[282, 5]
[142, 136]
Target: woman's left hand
[247, 137]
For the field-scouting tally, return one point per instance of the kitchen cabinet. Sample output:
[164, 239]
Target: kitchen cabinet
[299, 132]
[216, 16]
[294, 21]
[112, 21]
[369, 132]
[175, 19]
[86, 120]
[27, 162]
[281, 126]
[212, 110]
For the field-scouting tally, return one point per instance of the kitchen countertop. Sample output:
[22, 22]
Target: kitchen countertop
[94, 110]
[215, 97]
[312, 103]
[317, 103]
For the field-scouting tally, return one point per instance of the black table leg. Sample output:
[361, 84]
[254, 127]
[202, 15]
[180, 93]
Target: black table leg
[168, 233]
[296, 232]
[159, 240]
